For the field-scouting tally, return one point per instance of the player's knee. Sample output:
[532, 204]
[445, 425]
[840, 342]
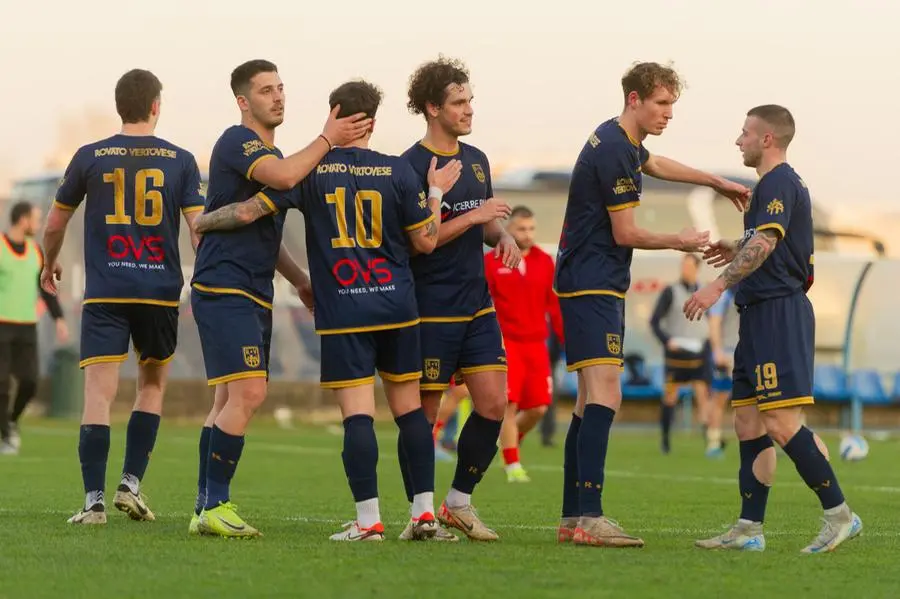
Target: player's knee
[748, 424]
[101, 382]
[538, 411]
[782, 424]
[250, 393]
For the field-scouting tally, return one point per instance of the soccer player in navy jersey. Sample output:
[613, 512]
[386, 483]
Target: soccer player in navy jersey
[593, 265]
[135, 184]
[362, 209]
[232, 280]
[459, 325]
[770, 269]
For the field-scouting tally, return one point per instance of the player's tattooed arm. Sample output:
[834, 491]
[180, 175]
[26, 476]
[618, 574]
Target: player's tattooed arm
[235, 215]
[750, 257]
[424, 239]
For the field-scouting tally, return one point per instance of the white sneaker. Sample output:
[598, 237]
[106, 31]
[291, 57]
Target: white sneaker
[15, 439]
[743, 536]
[96, 514]
[7, 448]
[835, 530]
[352, 532]
[133, 504]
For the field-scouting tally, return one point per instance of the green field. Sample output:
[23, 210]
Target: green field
[291, 485]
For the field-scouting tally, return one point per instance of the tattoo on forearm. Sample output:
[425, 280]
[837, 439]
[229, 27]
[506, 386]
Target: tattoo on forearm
[750, 257]
[234, 215]
[431, 229]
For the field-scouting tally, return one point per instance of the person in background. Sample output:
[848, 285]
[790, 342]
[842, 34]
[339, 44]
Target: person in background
[686, 346]
[525, 301]
[21, 260]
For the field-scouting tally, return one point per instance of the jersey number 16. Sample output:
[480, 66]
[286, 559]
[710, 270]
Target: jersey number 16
[148, 203]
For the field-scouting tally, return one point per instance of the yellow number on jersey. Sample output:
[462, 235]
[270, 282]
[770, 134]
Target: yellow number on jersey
[148, 203]
[363, 238]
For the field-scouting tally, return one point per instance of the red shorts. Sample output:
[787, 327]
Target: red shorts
[529, 383]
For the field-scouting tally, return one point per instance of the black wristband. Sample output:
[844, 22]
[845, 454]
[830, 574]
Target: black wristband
[330, 146]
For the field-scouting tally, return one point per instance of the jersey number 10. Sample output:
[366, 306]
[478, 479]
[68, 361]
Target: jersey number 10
[148, 203]
[363, 238]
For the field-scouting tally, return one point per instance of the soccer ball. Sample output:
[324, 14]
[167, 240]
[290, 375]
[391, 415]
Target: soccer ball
[854, 448]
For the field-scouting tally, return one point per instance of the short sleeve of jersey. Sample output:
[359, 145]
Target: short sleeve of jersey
[73, 186]
[414, 212]
[192, 199]
[773, 202]
[643, 154]
[243, 150]
[618, 189]
[281, 201]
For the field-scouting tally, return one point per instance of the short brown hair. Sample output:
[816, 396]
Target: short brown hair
[242, 74]
[19, 211]
[645, 77]
[521, 211]
[136, 91]
[356, 96]
[428, 85]
[779, 118]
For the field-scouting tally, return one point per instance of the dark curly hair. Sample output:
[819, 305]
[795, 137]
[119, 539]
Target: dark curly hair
[428, 85]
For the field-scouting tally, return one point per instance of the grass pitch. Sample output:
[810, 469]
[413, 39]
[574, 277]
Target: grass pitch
[291, 485]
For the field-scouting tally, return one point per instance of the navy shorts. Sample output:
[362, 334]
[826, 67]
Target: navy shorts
[686, 367]
[773, 361]
[235, 334]
[351, 359]
[468, 346]
[594, 326]
[107, 328]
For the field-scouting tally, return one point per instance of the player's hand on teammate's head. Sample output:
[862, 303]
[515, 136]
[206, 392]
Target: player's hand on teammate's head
[341, 131]
[737, 193]
[446, 176]
[720, 253]
[508, 251]
[50, 274]
[692, 240]
[491, 209]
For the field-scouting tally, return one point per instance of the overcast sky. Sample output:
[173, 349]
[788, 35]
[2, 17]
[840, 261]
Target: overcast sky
[543, 77]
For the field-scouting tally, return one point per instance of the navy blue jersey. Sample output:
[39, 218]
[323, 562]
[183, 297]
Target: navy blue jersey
[450, 281]
[606, 178]
[781, 202]
[136, 188]
[358, 206]
[241, 261]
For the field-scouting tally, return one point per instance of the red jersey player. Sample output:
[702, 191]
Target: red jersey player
[523, 298]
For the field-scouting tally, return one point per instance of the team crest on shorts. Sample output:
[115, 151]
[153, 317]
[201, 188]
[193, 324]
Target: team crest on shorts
[614, 343]
[432, 369]
[251, 355]
[479, 172]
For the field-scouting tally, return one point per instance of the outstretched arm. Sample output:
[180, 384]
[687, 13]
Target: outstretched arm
[672, 170]
[235, 215]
